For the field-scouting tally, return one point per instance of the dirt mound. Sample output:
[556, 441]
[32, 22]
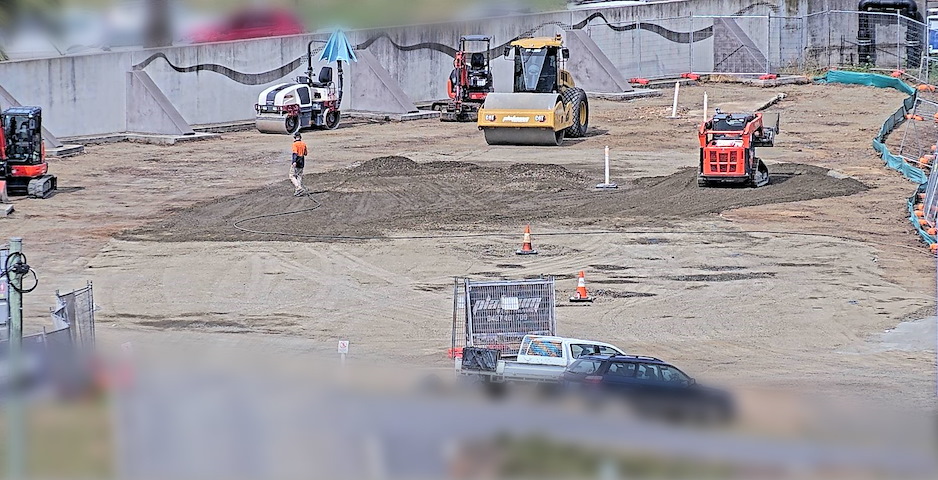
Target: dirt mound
[394, 194]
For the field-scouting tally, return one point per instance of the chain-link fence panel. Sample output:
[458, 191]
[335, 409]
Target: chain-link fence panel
[741, 44]
[930, 203]
[928, 71]
[758, 44]
[913, 42]
[787, 44]
[76, 309]
[919, 133]
[657, 48]
[866, 39]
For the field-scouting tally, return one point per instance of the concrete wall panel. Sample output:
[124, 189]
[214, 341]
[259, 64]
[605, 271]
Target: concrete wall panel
[217, 83]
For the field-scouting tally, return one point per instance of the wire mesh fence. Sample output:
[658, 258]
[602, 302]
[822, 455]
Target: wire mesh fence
[741, 44]
[930, 203]
[498, 314]
[661, 48]
[919, 133]
[62, 357]
[759, 44]
[75, 309]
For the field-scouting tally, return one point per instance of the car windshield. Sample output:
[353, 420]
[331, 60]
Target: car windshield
[535, 70]
[578, 350]
[729, 124]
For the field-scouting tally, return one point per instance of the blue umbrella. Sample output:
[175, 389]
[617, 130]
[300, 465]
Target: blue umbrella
[338, 49]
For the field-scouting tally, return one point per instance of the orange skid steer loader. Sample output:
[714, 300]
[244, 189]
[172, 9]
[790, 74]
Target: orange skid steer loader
[728, 149]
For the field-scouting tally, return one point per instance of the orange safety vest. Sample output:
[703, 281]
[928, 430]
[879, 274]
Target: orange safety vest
[299, 148]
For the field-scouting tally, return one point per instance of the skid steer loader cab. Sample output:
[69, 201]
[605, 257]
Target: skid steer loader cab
[545, 105]
[728, 149]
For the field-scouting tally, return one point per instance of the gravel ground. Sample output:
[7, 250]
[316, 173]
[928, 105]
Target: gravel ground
[788, 287]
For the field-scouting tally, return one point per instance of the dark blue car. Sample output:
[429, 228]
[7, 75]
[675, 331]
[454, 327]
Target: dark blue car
[651, 387]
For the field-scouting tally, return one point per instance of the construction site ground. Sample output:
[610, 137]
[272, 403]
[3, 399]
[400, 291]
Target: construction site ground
[796, 285]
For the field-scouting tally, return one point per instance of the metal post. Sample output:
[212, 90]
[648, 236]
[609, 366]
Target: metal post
[14, 403]
[803, 64]
[637, 40]
[898, 41]
[607, 164]
[677, 94]
[768, 43]
[828, 15]
[693, 36]
[608, 184]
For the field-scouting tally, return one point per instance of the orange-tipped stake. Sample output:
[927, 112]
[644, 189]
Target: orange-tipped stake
[527, 248]
[581, 296]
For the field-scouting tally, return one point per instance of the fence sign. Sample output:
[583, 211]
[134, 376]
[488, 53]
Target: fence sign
[499, 314]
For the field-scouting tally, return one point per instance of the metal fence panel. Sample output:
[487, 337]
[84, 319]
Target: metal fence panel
[787, 38]
[931, 199]
[864, 39]
[76, 309]
[741, 44]
[660, 48]
[499, 314]
[928, 72]
[919, 133]
[757, 44]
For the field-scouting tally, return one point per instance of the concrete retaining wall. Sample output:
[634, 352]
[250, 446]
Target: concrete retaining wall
[219, 83]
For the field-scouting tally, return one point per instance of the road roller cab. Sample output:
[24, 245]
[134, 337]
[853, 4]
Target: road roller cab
[545, 106]
[290, 107]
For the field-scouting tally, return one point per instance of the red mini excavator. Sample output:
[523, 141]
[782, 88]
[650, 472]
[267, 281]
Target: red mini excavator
[728, 149]
[23, 166]
[470, 82]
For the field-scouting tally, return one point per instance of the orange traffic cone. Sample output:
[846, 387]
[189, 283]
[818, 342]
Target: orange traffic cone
[527, 248]
[3, 192]
[581, 295]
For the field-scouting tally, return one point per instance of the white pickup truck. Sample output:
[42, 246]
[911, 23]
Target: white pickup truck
[540, 359]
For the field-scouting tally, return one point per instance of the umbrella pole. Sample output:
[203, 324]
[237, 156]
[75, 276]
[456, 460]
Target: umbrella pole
[309, 60]
[341, 83]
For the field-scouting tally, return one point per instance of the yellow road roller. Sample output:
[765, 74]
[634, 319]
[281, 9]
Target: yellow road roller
[545, 106]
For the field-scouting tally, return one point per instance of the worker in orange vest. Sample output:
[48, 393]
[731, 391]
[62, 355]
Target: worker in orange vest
[296, 167]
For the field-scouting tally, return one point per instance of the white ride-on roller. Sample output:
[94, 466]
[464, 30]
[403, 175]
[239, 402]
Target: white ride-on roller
[288, 108]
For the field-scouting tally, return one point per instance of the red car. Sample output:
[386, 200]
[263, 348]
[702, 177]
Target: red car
[251, 24]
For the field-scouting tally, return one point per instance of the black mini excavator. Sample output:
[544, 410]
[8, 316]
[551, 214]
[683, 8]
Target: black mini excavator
[23, 167]
[470, 81]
